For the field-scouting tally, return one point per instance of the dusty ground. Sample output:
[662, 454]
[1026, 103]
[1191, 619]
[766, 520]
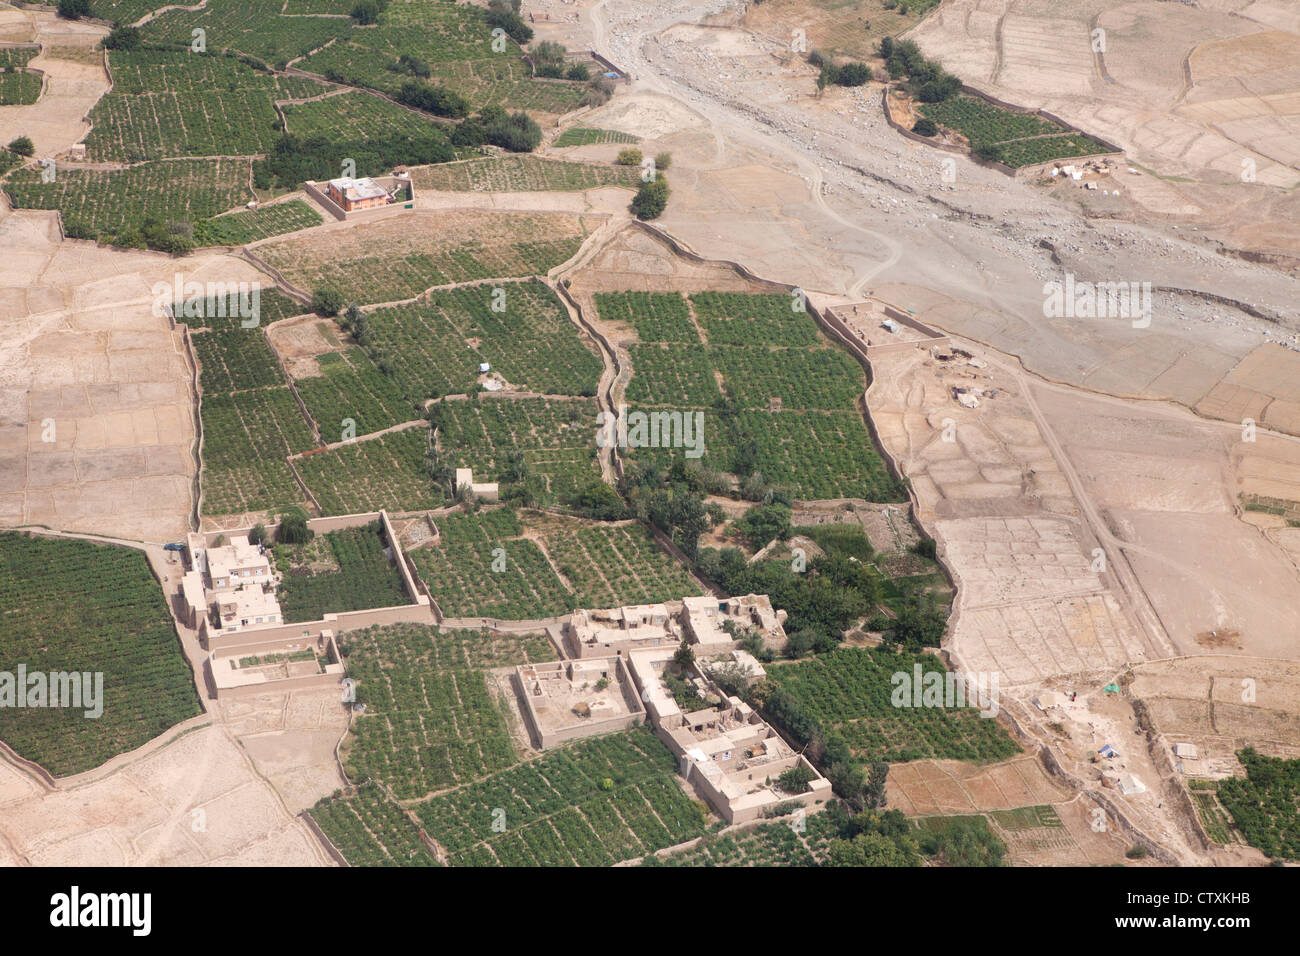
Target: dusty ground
[96, 420]
[74, 80]
[942, 787]
[197, 800]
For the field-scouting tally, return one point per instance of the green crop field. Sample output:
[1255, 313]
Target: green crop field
[656, 317]
[616, 565]
[19, 89]
[253, 27]
[351, 388]
[1265, 804]
[594, 803]
[482, 567]
[523, 173]
[396, 259]
[339, 571]
[849, 691]
[555, 437]
[761, 348]
[436, 345]
[430, 721]
[272, 306]
[387, 472]
[1019, 139]
[247, 437]
[455, 44]
[17, 57]
[233, 358]
[585, 136]
[167, 104]
[110, 202]
[239, 228]
[770, 844]
[354, 117]
[489, 564]
[67, 606]
[731, 318]
[371, 830]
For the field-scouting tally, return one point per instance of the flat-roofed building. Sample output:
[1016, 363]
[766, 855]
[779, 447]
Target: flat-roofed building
[621, 630]
[353, 194]
[247, 607]
[236, 564]
[705, 620]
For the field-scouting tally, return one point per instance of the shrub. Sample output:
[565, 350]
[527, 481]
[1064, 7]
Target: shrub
[651, 199]
[505, 14]
[293, 528]
[327, 302]
[663, 161]
[74, 9]
[123, 38]
[796, 779]
[437, 100]
[578, 72]
[629, 157]
[366, 12]
[925, 127]
[517, 132]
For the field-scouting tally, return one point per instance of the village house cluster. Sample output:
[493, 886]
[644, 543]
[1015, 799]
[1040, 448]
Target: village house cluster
[615, 680]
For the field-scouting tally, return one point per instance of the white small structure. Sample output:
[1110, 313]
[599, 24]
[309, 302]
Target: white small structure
[484, 368]
[1130, 785]
[482, 490]
[1187, 751]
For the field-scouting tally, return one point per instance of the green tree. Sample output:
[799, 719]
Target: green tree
[23, 146]
[796, 779]
[74, 9]
[866, 850]
[293, 528]
[651, 199]
[327, 301]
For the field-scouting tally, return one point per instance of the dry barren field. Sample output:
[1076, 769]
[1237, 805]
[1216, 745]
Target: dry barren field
[96, 413]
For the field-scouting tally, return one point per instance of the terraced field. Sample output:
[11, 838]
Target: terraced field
[523, 173]
[400, 258]
[173, 104]
[247, 437]
[113, 202]
[354, 117]
[586, 136]
[237, 229]
[615, 565]
[484, 568]
[1017, 139]
[351, 392]
[19, 89]
[356, 575]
